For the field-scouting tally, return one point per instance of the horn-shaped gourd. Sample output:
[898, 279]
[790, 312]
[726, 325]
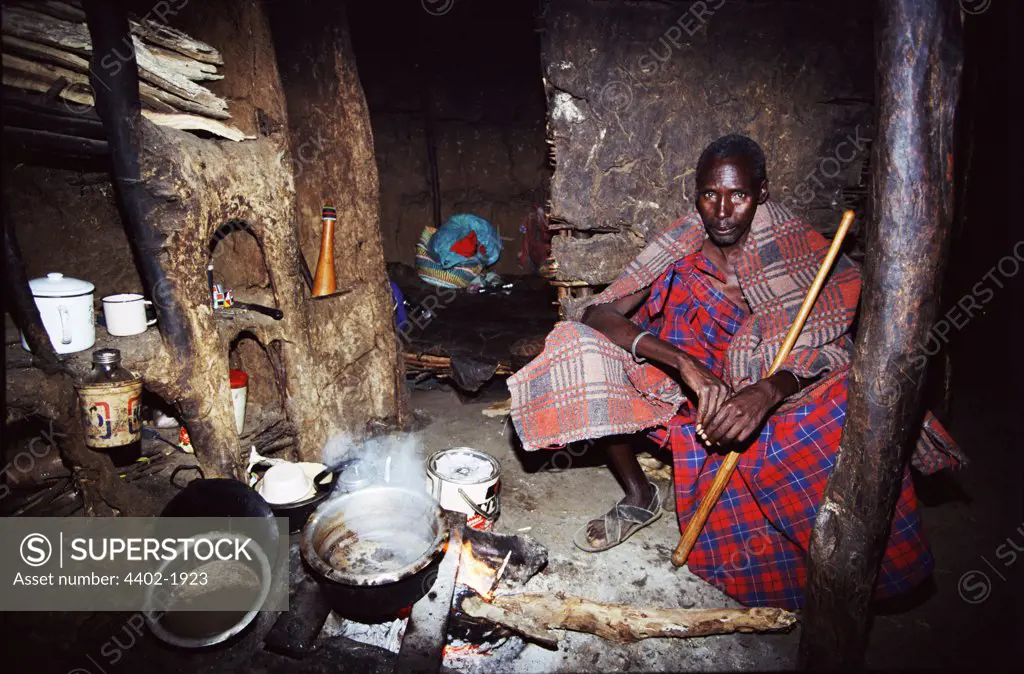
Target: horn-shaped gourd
[324, 282]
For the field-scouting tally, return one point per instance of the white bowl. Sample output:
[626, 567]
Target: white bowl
[285, 483]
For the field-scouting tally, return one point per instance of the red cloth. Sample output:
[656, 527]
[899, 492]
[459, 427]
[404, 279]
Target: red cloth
[754, 544]
[466, 246]
[775, 268]
[584, 386]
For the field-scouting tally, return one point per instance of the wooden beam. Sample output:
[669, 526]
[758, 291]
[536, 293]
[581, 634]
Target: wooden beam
[35, 139]
[17, 116]
[919, 59]
[119, 106]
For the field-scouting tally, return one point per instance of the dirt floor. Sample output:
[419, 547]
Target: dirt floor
[965, 616]
[552, 502]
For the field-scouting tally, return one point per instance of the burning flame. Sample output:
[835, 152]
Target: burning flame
[475, 573]
[465, 649]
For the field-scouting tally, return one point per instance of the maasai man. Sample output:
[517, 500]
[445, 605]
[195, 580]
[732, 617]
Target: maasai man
[711, 302]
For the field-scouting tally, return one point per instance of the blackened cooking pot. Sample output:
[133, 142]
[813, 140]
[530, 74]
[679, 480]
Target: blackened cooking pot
[218, 497]
[375, 551]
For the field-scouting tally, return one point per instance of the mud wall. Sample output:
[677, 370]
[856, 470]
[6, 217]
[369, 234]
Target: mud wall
[637, 90]
[67, 221]
[329, 365]
[355, 377]
[473, 75]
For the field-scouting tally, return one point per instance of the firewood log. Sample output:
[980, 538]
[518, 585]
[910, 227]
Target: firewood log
[158, 99]
[170, 38]
[534, 614]
[32, 26]
[149, 30]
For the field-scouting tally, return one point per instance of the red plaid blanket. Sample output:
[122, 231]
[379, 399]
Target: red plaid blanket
[754, 545]
[584, 386]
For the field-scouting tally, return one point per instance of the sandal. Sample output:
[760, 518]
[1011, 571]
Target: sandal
[621, 522]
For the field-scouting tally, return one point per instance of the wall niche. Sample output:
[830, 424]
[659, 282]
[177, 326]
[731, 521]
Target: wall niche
[240, 264]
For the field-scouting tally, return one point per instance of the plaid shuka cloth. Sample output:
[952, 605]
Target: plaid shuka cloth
[584, 386]
[754, 545]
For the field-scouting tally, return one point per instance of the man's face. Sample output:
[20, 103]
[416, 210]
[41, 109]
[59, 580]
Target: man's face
[727, 199]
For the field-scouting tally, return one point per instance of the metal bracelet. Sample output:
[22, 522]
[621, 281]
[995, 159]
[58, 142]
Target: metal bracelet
[799, 384]
[632, 349]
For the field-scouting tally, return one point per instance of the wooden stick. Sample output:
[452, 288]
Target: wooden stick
[430, 362]
[49, 141]
[696, 524]
[22, 304]
[25, 118]
[188, 122]
[56, 38]
[60, 10]
[535, 614]
[162, 101]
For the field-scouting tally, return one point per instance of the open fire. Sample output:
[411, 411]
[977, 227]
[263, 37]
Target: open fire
[469, 638]
[476, 574]
[485, 560]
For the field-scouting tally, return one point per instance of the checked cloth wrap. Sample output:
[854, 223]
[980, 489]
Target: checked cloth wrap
[754, 545]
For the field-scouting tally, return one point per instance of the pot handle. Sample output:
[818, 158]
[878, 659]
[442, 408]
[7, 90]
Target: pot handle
[65, 324]
[148, 303]
[321, 476]
[472, 505]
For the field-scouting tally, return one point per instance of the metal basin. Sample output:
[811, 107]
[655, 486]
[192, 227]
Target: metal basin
[375, 551]
[164, 612]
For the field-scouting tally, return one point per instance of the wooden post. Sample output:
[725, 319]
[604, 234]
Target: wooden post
[115, 80]
[22, 304]
[919, 59]
[192, 381]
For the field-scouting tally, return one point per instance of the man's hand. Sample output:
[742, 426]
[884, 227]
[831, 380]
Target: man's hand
[742, 414]
[711, 391]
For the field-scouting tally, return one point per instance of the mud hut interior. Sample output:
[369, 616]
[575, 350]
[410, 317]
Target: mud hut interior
[289, 265]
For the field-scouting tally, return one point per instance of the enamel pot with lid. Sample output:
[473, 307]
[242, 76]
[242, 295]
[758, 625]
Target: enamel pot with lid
[66, 307]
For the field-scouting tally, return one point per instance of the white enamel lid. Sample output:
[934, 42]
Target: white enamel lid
[58, 285]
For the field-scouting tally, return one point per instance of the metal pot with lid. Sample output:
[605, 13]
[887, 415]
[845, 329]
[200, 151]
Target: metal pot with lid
[66, 308]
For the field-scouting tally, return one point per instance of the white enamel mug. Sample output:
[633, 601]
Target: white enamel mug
[126, 314]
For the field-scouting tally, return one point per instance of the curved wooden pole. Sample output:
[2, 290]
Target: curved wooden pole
[725, 471]
[22, 305]
[115, 82]
[919, 57]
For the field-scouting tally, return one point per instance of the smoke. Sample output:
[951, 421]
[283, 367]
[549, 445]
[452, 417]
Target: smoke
[395, 459]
